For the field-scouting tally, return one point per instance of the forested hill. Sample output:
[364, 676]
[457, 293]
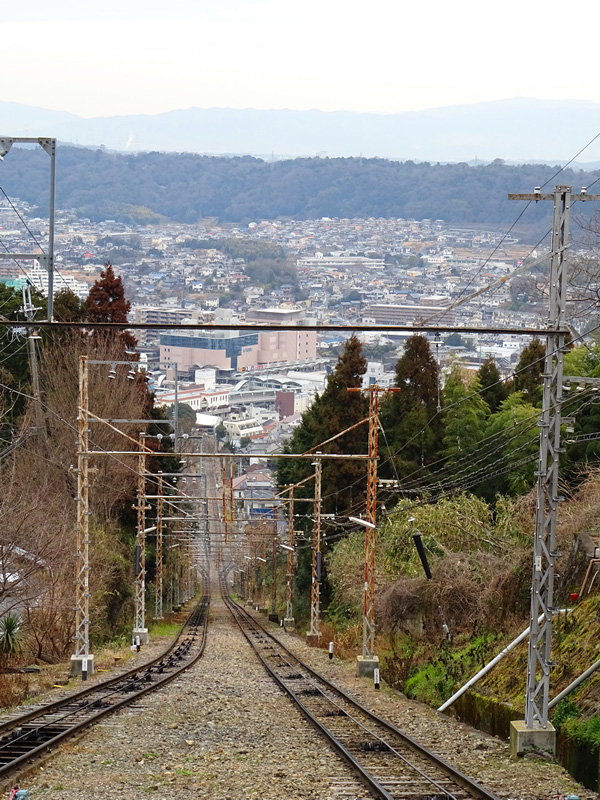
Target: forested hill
[186, 187]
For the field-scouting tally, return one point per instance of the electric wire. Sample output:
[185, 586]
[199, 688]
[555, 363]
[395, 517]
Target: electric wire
[25, 225]
[541, 359]
[495, 250]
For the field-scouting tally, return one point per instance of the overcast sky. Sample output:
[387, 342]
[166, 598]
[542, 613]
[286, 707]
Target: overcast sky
[143, 56]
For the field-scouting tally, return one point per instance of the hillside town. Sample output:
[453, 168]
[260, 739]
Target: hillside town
[253, 386]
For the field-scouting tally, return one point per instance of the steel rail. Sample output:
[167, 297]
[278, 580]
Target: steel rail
[451, 772]
[365, 776]
[139, 675]
[55, 705]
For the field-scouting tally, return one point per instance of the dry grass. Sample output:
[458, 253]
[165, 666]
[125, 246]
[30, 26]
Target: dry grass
[14, 689]
[346, 643]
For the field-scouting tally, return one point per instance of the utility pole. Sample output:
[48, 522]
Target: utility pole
[176, 406]
[274, 566]
[82, 662]
[46, 259]
[29, 310]
[139, 625]
[225, 518]
[158, 590]
[368, 661]
[371, 517]
[314, 633]
[535, 732]
[289, 615]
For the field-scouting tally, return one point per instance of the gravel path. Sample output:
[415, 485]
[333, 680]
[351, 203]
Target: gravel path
[206, 736]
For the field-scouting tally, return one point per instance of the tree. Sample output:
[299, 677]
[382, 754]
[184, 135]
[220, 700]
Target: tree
[410, 418]
[106, 303]
[186, 417]
[529, 371]
[455, 340]
[493, 388]
[68, 307]
[510, 448]
[343, 482]
[465, 414]
[584, 407]
[15, 368]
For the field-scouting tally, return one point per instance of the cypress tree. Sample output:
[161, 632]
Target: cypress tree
[106, 303]
[529, 370]
[412, 423]
[343, 482]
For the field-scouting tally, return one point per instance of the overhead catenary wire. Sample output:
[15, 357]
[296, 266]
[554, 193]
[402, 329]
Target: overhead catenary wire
[10, 389]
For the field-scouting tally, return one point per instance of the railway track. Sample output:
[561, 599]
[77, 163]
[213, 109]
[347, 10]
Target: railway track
[390, 764]
[26, 736]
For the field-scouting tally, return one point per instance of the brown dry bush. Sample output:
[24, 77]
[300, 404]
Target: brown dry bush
[398, 602]
[466, 590]
[473, 590]
[14, 689]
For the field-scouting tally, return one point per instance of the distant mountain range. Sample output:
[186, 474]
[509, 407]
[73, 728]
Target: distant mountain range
[518, 130]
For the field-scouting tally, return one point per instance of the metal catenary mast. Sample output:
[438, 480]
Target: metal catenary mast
[536, 730]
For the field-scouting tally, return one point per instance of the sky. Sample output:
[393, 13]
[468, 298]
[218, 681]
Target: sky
[132, 57]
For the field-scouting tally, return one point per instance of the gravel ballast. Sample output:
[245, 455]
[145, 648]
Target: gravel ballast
[225, 731]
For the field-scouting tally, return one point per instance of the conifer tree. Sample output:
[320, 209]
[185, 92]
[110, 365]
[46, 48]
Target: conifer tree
[412, 423]
[106, 303]
[343, 482]
[529, 370]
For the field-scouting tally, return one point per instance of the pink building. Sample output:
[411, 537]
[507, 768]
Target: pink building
[237, 350]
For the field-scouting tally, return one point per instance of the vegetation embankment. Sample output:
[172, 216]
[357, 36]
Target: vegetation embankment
[460, 462]
[41, 492]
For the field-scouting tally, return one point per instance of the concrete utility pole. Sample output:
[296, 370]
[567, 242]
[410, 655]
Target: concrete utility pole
[314, 633]
[82, 662]
[535, 732]
[47, 144]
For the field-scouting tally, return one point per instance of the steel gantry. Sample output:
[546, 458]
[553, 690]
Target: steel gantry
[367, 662]
[158, 591]
[82, 657]
[289, 616]
[139, 623]
[316, 556]
[545, 552]
[368, 648]
[48, 144]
